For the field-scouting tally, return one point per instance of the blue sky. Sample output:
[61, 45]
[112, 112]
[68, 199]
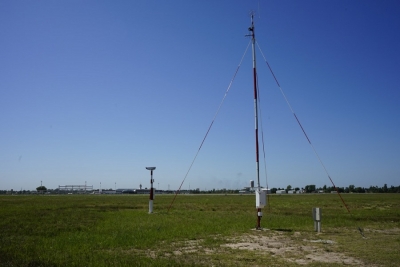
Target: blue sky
[96, 91]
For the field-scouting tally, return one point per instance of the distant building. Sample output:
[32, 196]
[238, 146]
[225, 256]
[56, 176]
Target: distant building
[134, 191]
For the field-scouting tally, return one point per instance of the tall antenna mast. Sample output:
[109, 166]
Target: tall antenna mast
[260, 195]
[253, 42]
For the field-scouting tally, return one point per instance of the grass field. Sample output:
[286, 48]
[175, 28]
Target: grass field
[199, 230]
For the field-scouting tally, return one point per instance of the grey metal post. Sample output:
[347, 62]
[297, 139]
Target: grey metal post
[317, 216]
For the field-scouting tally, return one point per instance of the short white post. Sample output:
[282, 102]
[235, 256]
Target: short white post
[317, 216]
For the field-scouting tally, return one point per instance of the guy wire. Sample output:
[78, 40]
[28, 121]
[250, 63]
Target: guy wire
[211, 124]
[308, 139]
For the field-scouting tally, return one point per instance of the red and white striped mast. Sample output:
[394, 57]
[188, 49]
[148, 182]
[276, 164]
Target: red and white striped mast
[260, 195]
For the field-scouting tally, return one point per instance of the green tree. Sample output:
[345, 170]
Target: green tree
[310, 188]
[351, 188]
[359, 190]
[41, 189]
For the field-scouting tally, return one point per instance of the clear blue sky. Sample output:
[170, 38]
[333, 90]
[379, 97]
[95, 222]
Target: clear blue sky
[96, 91]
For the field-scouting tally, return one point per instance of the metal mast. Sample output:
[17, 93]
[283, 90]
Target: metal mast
[151, 169]
[253, 41]
[258, 190]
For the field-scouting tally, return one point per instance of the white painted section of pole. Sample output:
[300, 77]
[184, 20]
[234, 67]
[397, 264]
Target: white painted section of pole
[317, 226]
[151, 206]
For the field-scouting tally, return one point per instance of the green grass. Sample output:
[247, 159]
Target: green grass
[105, 230]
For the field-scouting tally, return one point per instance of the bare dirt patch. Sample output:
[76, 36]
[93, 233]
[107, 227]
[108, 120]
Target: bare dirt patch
[293, 248]
[190, 246]
[383, 231]
[303, 252]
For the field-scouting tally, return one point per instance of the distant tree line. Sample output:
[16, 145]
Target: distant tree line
[357, 189]
[306, 189]
[349, 189]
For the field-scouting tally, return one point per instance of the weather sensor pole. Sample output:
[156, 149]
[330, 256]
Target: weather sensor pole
[151, 169]
[260, 194]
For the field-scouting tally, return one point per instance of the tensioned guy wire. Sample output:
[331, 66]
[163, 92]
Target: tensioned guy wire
[308, 139]
[262, 140]
[212, 122]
